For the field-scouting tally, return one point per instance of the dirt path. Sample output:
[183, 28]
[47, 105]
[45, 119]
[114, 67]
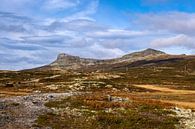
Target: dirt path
[163, 89]
[37, 80]
[169, 92]
[190, 105]
[14, 93]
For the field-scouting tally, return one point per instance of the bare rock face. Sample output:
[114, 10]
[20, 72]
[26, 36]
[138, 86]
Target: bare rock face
[62, 56]
[72, 62]
[66, 60]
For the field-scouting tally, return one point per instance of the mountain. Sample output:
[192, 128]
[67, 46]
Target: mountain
[66, 61]
[141, 55]
[148, 57]
[144, 53]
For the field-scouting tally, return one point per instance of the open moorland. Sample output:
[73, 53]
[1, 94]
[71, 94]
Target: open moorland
[148, 89]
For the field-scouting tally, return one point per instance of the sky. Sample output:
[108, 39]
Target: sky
[34, 32]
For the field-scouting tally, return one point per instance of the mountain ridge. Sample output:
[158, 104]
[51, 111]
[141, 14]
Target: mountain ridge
[66, 61]
[136, 59]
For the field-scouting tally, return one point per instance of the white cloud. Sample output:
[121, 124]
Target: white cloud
[176, 22]
[98, 51]
[178, 40]
[117, 33]
[60, 4]
[90, 9]
[81, 25]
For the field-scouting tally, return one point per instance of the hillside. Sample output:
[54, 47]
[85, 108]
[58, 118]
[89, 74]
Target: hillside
[136, 59]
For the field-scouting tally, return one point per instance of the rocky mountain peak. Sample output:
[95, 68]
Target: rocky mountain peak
[152, 51]
[63, 55]
[68, 61]
[144, 53]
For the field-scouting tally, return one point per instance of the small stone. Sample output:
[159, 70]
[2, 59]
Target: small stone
[108, 86]
[37, 91]
[109, 98]
[50, 96]
[126, 89]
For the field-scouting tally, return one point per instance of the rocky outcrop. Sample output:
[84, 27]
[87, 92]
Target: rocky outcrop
[66, 61]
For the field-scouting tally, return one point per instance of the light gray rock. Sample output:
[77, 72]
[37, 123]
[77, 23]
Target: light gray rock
[187, 118]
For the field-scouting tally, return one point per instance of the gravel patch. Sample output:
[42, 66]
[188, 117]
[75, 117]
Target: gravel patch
[21, 112]
[187, 118]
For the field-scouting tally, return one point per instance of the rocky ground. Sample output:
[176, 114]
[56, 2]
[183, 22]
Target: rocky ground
[21, 112]
[124, 92]
[187, 116]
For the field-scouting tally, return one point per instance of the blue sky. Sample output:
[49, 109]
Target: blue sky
[34, 32]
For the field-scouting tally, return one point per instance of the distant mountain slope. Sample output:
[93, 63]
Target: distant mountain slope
[136, 59]
[147, 52]
[65, 61]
